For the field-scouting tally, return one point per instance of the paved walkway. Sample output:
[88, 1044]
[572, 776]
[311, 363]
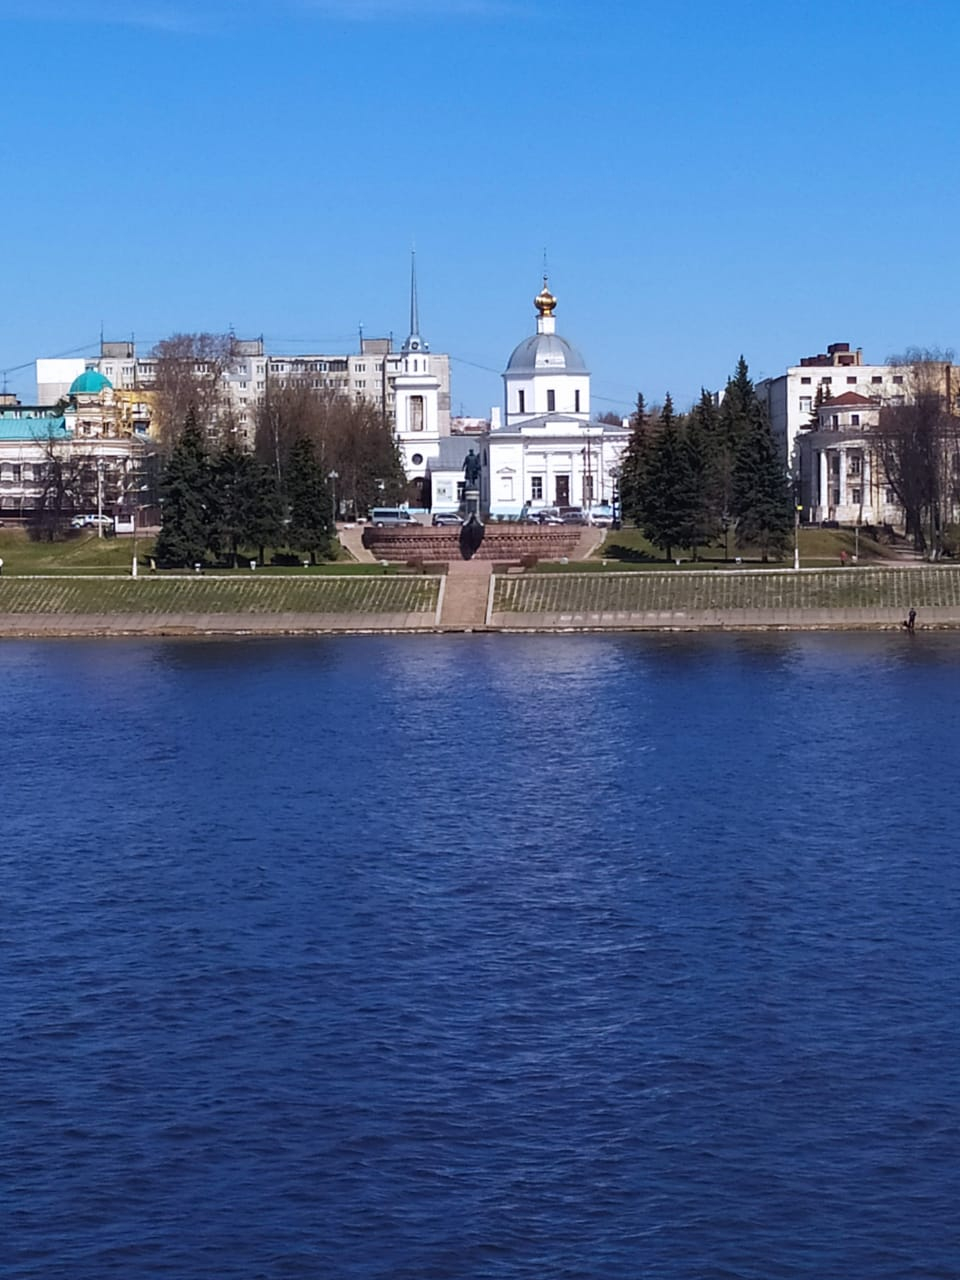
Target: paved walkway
[351, 539]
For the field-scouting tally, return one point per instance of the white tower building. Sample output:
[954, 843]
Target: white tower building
[417, 391]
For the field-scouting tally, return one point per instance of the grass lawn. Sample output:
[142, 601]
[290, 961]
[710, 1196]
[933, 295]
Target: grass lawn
[85, 553]
[862, 587]
[156, 595]
[629, 549]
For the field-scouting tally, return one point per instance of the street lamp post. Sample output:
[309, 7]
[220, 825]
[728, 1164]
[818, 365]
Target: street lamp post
[99, 497]
[333, 477]
[797, 508]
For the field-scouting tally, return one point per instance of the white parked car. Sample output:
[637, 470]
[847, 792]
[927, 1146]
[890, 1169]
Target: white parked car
[91, 522]
[601, 515]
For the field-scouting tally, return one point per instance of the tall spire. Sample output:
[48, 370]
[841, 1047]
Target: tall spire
[414, 342]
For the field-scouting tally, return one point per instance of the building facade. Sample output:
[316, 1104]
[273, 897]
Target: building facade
[792, 399]
[92, 456]
[545, 450]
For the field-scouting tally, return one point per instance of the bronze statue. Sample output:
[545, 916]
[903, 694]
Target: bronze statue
[471, 468]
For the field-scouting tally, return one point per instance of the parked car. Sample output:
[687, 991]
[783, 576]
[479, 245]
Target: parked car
[573, 515]
[546, 515]
[91, 522]
[601, 515]
[441, 518]
[384, 516]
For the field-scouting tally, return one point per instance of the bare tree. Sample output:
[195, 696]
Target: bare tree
[350, 437]
[918, 444]
[190, 369]
[65, 480]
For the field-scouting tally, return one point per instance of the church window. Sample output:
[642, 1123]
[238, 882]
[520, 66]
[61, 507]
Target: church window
[576, 401]
[417, 459]
[521, 406]
[416, 413]
[536, 488]
[551, 401]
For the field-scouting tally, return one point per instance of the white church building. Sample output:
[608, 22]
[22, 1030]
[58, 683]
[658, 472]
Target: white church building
[545, 451]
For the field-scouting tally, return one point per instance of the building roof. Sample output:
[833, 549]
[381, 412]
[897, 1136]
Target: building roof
[452, 452]
[848, 398]
[30, 430]
[544, 352]
[564, 421]
[89, 383]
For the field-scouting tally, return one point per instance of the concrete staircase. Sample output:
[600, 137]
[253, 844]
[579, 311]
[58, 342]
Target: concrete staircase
[465, 593]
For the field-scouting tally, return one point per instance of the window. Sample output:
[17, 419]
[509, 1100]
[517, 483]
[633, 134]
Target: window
[898, 379]
[416, 459]
[826, 381]
[805, 381]
[896, 399]
[876, 379]
[889, 497]
[854, 419]
[551, 401]
[851, 382]
[835, 497]
[835, 463]
[806, 404]
[835, 421]
[856, 496]
[521, 402]
[416, 413]
[576, 402]
[536, 488]
[506, 488]
[856, 464]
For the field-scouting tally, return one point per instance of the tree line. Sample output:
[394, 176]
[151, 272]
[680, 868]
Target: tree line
[221, 502]
[690, 480]
[352, 437]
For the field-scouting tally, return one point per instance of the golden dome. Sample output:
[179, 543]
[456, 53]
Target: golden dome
[545, 302]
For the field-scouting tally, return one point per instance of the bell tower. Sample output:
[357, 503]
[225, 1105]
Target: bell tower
[417, 392]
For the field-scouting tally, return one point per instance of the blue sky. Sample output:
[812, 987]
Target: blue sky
[706, 178]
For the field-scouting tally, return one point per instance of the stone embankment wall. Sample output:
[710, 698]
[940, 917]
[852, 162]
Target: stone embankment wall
[506, 542]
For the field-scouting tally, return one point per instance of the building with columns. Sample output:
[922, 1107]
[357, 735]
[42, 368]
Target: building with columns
[840, 476]
[545, 450]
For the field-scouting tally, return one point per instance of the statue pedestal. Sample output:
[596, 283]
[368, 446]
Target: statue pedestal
[471, 500]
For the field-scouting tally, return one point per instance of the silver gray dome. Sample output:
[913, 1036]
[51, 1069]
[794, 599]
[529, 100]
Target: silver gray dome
[546, 351]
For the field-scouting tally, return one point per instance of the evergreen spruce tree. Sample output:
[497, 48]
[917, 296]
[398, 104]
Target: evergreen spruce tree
[669, 498]
[311, 506]
[245, 509]
[634, 462]
[732, 425]
[762, 501]
[186, 493]
[701, 440]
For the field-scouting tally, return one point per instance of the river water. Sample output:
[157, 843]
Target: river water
[439, 958]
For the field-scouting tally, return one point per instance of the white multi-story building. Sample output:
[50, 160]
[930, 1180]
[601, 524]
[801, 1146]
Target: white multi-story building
[368, 375]
[792, 399]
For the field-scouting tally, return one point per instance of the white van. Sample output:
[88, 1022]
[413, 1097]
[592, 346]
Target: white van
[383, 516]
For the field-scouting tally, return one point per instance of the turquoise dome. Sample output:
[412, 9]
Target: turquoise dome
[90, 383]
